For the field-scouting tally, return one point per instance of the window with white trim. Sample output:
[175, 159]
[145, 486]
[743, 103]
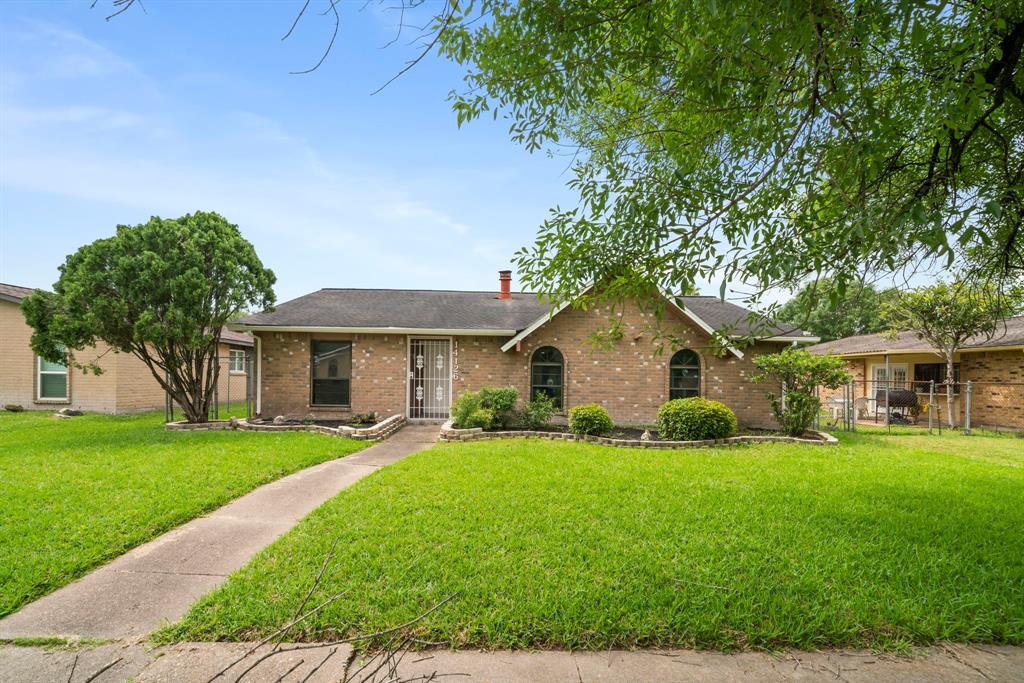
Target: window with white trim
[51, 380]
[236, 360]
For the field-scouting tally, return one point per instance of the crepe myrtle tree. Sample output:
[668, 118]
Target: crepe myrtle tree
[948, 315]
[799, 373]
[162, 291]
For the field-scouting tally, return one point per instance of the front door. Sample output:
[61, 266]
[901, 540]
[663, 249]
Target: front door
[430, 378]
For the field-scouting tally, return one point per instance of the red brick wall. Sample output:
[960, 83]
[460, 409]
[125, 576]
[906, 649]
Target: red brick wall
[377, 383]
[631, 380]
[997, 387]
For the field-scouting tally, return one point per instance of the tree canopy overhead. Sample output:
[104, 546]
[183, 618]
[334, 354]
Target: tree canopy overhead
[161, 290]
[758, 142]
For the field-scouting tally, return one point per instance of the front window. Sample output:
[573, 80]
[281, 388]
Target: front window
[236, 360]
[52, 381]
[684, 375]
[924, 373]
[546, 370]
[331, 369]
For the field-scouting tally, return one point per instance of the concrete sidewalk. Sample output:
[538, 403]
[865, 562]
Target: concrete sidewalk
[198, 662]
[158, 582]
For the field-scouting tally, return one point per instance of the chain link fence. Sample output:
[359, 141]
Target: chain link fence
[933, 406]
[234, 392]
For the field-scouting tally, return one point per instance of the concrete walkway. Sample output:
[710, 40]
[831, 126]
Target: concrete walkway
[198, 662]
[158, 582]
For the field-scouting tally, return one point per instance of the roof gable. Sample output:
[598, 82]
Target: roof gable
[709, 313]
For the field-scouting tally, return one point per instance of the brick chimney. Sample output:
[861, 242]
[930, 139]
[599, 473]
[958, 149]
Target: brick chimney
[505, 280]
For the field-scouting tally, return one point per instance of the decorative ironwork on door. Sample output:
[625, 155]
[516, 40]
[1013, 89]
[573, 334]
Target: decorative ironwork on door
[430, 378]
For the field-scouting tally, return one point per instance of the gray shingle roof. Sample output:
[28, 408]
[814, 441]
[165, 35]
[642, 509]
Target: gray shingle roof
[1010, 333]
[235, 338]
[404, 308]
[457, 310]
[721, 314]
[14, 293]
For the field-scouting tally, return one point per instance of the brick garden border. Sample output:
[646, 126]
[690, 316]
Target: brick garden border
[449, 433]
[381, 430]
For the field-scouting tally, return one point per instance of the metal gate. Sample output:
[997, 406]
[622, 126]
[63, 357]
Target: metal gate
[430, 378]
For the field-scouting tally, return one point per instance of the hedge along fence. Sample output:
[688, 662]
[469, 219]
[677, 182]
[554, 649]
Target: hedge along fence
[449, 433]
[381, 430]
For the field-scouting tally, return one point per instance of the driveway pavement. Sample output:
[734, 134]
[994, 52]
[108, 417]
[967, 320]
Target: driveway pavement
[157, 582]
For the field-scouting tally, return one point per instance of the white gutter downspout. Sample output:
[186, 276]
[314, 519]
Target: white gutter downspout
[259, 373]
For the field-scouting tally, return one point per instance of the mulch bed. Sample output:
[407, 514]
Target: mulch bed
[634, 433]
[333, 424]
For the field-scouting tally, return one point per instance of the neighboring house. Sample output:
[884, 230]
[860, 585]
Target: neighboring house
[125, 386]
[994, 366]
[341, 351]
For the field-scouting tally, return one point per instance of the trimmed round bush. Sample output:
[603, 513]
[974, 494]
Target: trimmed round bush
[463, 408]
[590, 419]
[695, 419]
[482, 418]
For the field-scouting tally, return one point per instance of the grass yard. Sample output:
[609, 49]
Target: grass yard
[77, 493]
[884, 541]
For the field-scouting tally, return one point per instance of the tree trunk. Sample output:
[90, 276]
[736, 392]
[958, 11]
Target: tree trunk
[949, 389]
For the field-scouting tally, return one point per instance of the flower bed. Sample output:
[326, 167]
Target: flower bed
[375, 432]
[450, 433]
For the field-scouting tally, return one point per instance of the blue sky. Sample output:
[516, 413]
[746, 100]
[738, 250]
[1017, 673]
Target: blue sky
[190, 106]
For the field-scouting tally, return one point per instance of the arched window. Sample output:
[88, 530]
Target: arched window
[684, 375]
[546, 371]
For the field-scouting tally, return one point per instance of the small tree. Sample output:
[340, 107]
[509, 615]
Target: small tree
[833, 311]
[799, 373]
[946, 316]
[161, 291]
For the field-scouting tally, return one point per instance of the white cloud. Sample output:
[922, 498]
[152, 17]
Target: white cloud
[318, 224]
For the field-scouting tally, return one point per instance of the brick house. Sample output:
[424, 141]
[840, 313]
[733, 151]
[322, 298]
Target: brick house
[994, 366]
[335, 352]
[125, 386]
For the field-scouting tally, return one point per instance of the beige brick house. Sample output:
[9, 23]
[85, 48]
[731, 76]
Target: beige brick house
[125, 386]
[335, 352]
[994, 366]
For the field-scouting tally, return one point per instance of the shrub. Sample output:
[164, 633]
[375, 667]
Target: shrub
[695, 419]
[482, 418]
[590, 419]
[799, 373]
[537, 413]
[501, 401]
[465, 405]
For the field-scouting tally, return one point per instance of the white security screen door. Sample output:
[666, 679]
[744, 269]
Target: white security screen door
[430, 378]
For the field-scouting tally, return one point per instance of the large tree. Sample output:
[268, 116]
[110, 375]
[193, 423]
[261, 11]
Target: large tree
[161, 290]
[755, 143]
[760, 141]
[947, 316]
[831, 313]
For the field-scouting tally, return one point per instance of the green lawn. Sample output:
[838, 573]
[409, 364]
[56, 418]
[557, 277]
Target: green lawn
[884, 541]
[76, 493]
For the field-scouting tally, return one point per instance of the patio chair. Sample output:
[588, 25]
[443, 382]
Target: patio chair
[861, 407]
